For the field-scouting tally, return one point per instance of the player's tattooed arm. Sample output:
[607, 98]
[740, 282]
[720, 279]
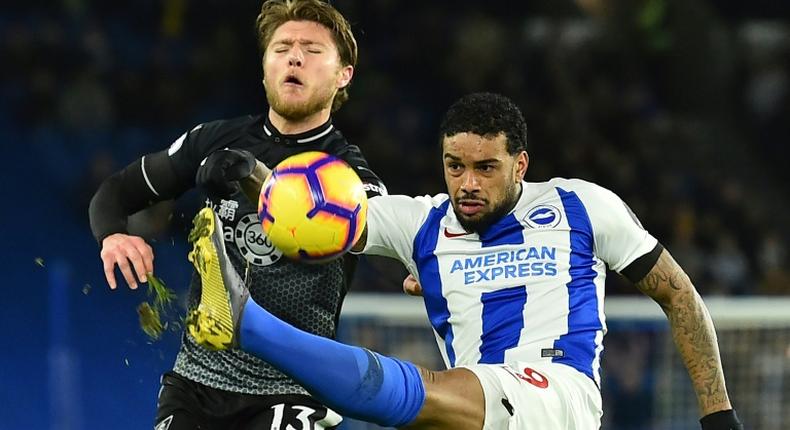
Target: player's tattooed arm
[251, 185]
[692, 330]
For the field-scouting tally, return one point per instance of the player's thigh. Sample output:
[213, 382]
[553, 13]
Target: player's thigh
[281, 412]
[544, 396]
[188, 405]
[178, 420]
[177, 405]
[453, 400]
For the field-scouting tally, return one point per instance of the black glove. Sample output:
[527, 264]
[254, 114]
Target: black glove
[220, 173]
[722, 420]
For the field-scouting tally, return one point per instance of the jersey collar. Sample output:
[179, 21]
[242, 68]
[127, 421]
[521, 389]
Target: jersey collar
[297, 139]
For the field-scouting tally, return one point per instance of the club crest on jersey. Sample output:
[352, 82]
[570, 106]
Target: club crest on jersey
[543, 216]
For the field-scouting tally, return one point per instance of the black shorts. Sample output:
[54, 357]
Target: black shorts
[188, 405]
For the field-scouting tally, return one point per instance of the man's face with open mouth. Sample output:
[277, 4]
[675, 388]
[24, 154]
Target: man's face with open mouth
[302, 69]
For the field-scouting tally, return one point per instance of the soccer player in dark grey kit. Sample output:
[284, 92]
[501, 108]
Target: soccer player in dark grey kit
[308, 59]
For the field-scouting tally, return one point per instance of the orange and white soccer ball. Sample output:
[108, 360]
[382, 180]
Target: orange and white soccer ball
[313, 207]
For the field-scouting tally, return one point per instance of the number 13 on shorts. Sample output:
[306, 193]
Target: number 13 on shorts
[305, 416]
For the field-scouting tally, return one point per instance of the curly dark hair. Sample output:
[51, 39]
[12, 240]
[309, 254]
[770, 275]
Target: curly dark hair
[486, 114]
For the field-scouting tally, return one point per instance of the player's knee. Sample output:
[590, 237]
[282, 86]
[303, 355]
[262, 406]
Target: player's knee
[453, 399]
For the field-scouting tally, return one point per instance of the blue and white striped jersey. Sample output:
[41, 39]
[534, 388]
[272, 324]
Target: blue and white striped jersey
[530, 288]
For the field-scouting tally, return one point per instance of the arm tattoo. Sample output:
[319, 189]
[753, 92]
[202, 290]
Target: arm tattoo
[692, 330]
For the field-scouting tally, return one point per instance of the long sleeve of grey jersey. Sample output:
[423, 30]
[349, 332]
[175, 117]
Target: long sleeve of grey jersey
[139, 185]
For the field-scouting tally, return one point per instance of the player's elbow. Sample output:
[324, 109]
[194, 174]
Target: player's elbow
[666, 283]
[680, 295]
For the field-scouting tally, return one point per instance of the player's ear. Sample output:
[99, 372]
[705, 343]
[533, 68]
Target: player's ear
[520, 166]
[344, 77]
[263, 69]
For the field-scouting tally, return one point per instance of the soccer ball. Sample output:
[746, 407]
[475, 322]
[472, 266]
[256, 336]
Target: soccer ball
[313, 207]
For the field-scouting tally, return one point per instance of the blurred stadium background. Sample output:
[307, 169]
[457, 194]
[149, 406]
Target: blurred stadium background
[680, 106]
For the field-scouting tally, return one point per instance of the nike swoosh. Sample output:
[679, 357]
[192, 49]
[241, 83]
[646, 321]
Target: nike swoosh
[452, 235]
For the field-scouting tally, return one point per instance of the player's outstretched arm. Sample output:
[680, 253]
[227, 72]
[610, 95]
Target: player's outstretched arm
[142, 183]
[694, 336]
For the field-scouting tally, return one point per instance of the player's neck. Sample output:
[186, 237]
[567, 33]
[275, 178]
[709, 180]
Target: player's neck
[286, 126]
[513, 204]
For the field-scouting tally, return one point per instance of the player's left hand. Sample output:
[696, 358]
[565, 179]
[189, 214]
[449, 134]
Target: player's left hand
[722, 420]
[222, 170]
[411, 286]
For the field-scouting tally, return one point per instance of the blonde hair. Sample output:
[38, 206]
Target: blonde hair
[275, 13]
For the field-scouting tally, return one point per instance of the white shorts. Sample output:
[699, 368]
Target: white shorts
[538, 396]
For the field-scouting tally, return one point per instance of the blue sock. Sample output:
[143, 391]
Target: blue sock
[352, 381]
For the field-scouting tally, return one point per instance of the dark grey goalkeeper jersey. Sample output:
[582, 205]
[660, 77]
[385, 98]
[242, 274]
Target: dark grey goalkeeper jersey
[306, 296]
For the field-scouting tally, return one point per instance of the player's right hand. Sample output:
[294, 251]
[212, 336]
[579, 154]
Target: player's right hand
[411, 286]
[131, 254]
[222, 169]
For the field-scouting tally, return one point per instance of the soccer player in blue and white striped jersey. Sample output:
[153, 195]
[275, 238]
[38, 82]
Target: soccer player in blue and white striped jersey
[512, 275]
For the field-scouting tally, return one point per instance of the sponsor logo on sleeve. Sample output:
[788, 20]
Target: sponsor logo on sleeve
[379, 189]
